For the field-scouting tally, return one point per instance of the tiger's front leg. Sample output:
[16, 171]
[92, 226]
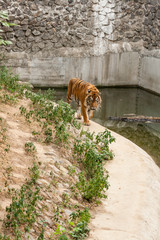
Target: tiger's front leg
[85, 115]
[90, 113]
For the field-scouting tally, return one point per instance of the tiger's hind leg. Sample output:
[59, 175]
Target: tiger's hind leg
[69, 98]
[69, 93]
[78, 111]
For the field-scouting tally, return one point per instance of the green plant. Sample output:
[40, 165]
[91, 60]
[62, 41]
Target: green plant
[4, 237]
[48, 133]
[63, 237]
[90, 151]
[7, 148]
[64, 117]
[83, 215]
[34, 173]
[95, 187]
[48, 94]
[22, 212]
[41, 236]
[80, 231]
[65, 200]
[58, 214]
[9, 81]
[61, 116]
[30, 147]
[36, 133]
[59, 230]
[4, 22]
[7, 98]
[79, 220]
[71, 170]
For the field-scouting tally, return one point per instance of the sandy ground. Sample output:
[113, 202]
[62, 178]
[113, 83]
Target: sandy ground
[132, 210]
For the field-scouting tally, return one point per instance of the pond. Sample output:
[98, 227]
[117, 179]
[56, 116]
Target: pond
[117, 102]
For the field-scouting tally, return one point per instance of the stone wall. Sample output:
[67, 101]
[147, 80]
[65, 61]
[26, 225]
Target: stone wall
[138, 21]
[106, 42]
[96, 26]
[49, 25]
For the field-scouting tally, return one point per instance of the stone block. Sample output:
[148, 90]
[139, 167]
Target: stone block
[107, 29]
[103, 2]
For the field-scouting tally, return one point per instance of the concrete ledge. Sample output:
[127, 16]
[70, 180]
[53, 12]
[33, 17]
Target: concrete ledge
[111, 69]
[132, 210]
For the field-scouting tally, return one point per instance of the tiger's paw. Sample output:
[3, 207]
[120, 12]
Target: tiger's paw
[79, 116]
[87, 123]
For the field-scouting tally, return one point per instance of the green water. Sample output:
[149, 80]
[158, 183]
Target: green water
[119, 101]
[143, 138]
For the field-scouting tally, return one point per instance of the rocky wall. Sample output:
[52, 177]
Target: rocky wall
[83, 27]
[106, 42]
[45, 25]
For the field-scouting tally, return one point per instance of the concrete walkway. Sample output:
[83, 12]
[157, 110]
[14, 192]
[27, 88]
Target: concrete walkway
[132, 210]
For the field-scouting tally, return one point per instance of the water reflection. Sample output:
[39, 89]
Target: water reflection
[119, 101]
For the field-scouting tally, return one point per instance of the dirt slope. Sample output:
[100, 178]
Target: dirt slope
[14, 169]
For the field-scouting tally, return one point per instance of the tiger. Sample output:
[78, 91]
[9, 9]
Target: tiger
[87, 97]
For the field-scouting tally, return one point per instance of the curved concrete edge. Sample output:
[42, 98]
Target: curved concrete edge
[132, 210]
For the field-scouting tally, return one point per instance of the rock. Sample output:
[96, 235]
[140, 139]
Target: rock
[158, 14]
[107, 29]
[103, 3]
[24, 22]
[21, 45]
[36, 32]
[19, 33]
[28, 32]
[30, 39]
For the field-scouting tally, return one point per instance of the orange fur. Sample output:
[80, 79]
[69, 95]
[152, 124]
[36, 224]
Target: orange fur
[87, 97]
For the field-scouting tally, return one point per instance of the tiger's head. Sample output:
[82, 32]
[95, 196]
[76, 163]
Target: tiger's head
[93, 99]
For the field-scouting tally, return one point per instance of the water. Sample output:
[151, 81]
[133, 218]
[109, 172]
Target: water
[119, 101]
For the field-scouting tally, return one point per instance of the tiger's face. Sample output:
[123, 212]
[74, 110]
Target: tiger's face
[93, 99]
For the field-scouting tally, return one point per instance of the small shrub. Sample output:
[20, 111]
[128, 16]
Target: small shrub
[63, 237]
[7, 98]
[93, 188]
[22, 211]
[41, 236]
[82, 215]
[64, 116]
[80, 219]
[48, 133]
[30, 147]
[71, 170]
[80, 231]
[48, 94]
[9, 81]
[4, 22]
[90, 152]
[4, 237]
[61, 116]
